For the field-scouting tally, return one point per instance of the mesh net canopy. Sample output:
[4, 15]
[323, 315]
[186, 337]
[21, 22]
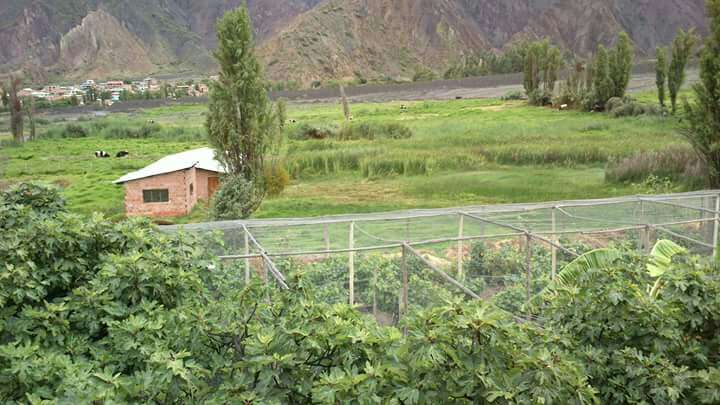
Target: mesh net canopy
[389, 263]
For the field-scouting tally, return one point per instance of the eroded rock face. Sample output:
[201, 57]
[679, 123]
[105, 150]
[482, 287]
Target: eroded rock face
[342, 38]
[100, 46]
[305, 40]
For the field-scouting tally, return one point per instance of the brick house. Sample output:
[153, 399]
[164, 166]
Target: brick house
[173, 185]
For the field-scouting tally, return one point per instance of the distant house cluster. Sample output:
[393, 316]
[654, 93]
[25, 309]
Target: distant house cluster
[113, 91]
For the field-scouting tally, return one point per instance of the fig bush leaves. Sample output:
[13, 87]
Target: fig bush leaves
[98, 312]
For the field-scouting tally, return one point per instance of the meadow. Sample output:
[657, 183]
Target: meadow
[461, 152]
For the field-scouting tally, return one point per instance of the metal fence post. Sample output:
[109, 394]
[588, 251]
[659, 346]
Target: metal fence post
[555, 240]
[528, 267]
[351, 265]
[717, 225]
[404, 294]
[326, 237]
[460, 247]
[247, 259]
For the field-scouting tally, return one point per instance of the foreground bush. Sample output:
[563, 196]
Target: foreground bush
[644, 339]
[99, 312]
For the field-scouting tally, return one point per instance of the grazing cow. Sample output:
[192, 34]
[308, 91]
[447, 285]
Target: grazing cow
[122, 154]
[458, 97]
[403, 107]
[563, 107]
[101, 154]
[150, 121]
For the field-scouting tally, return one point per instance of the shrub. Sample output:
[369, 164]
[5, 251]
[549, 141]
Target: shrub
[424, 74]
[374, 131]
[539, 97]
[74, 131]
[122, 131]
[513, 95]
[101, 312]
[41, 198]
[237, 198]
[638, 347]
[679, 164]
[276, 179]
[307, 132]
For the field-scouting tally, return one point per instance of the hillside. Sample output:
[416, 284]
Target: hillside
[307, 40]
[374, 38]
[136, 37]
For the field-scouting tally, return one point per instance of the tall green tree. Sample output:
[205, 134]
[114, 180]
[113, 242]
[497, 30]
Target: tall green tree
[682, 47]
[29, 106]
[661, 70]
[531, 70]
[604, 84]
[243, 125]
[541, 69]
[703, 115]
[16, 109]
[552, 64]
[621, 60]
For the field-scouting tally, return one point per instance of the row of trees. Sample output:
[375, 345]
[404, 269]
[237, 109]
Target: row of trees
[588, 85]
[541, 70]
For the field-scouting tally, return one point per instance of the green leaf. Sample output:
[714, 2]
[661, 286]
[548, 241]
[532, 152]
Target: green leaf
[661, 257]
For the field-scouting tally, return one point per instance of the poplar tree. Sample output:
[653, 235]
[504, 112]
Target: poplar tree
[604, 84]
[682, 47]
[703, 115]
[15, 106]
[243, 126]
[621, 65]
[661, 73]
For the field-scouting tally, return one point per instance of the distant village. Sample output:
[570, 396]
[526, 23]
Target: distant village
[113, 91]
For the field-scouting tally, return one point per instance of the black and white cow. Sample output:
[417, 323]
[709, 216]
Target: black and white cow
[101, 154]
[122, 154]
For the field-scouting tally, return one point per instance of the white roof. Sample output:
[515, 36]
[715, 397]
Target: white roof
[203, 158]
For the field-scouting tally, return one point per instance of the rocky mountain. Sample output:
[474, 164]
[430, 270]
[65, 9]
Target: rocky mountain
[99, 38]
[307, 40]
[372, 38]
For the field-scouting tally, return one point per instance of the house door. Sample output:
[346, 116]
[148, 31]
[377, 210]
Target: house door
[213, 184]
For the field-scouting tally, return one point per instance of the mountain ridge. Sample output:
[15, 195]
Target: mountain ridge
[309, 40]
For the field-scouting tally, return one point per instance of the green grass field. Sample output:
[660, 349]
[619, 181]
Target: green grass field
[462, 152]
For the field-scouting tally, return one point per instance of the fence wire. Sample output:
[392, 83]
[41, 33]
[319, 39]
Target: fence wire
[389, 263]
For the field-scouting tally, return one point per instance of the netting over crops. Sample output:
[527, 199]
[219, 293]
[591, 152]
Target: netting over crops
[389, 263]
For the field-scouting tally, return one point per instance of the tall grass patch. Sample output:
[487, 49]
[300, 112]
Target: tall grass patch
[677, 163]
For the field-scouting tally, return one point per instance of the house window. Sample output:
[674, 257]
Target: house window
[192, 189]
[156, 196]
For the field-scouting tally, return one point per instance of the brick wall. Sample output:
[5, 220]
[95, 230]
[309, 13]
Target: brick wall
[201, 186]
[176, 184]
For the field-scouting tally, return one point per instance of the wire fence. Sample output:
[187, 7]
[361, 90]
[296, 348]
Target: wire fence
[390, 263]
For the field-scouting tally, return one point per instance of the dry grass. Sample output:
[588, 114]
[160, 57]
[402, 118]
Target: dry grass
[675, 163]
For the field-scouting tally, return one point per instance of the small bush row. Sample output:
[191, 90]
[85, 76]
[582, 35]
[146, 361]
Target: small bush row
[368, 131]
[112, 130]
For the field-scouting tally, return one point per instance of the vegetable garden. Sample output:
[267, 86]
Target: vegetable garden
[389, 264]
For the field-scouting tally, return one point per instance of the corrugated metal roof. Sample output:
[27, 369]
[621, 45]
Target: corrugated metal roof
[203, 158]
